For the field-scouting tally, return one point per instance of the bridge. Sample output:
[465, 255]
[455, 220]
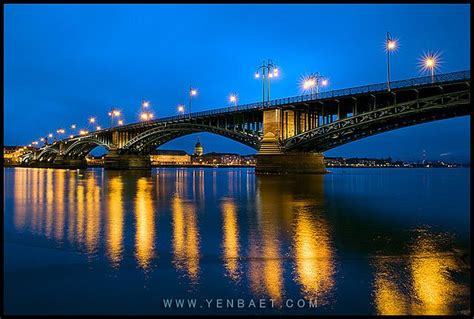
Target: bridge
[289, 133]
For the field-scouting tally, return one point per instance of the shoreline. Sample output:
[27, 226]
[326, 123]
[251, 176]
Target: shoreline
[252, 166]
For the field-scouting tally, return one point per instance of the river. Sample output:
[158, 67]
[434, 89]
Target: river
[354, 241]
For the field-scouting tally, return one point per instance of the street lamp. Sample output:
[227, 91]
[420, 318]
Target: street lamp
[314, 81]
[181, 108]
[266, 71]
[192, 92]
[113, 113]
[98, 128]
[233, 99]
[145, 116]
[120, 122]
[50, 135]
[390, 45]
[430, 62]
[145, 104]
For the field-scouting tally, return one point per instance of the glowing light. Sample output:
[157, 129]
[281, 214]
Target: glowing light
[391, 45]
[98, 128]
[146, 116]
[275, 72]
[60, 131]
[257, 75]
[270, 75]
[309, 83]
[34, 143]
[73, 126]
[116, 113]
[193, 92]
[83, 132]
[233, 98]
[325, 82]
[430, 62]
[145, 103]
[181, 108]
[92, 120]
[71, 136]
[120, 122]
[42, 139]
[50, 135]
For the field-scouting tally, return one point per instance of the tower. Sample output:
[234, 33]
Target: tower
[198, 148]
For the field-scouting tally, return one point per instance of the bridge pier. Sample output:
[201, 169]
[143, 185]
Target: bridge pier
[113, 160]
[63, 162]
[290, 163]
[38, 164]
[271, 159]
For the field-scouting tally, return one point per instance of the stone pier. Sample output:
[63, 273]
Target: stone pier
[271, 159]
[69, 163]
[123, 162]
[290, 163]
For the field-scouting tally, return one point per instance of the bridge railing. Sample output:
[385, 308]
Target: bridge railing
[441, 78]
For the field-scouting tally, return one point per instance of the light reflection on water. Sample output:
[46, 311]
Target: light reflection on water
[273, 237]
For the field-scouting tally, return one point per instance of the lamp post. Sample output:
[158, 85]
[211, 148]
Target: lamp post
[113, 113]
[314, 81]
[233, 99]
[430, 62]
[192, 92]
[390, 45]
[266, 71]
[181, 109]
[146, 116]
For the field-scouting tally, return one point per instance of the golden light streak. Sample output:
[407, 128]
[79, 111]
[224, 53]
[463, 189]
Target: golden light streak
[145, 224]
[185, 238]
[314, 258]
[59, 199]
[115, 220]
[231, 247]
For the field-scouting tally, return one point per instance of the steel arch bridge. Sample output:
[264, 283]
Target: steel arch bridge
[306, 123]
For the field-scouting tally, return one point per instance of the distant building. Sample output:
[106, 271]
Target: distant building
[223, 159]
[198, 150]
[170, 157]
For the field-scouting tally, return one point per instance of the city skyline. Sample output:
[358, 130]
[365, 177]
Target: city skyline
[85, 70]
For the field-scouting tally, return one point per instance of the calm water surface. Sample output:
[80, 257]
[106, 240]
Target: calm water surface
[363, 241]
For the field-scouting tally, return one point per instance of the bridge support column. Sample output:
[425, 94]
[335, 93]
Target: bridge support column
[63, 162]
[114, 160]
[271, 159]
[290, 163]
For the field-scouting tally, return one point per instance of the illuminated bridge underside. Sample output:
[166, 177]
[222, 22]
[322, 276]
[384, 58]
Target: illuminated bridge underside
[381, 120]
[309, 123]
[149, 140]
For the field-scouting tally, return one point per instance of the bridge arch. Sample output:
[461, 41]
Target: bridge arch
[379, 121]
[47, 153]
[149, 140]
[83, 146]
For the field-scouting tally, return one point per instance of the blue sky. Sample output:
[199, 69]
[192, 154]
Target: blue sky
[65, 63]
